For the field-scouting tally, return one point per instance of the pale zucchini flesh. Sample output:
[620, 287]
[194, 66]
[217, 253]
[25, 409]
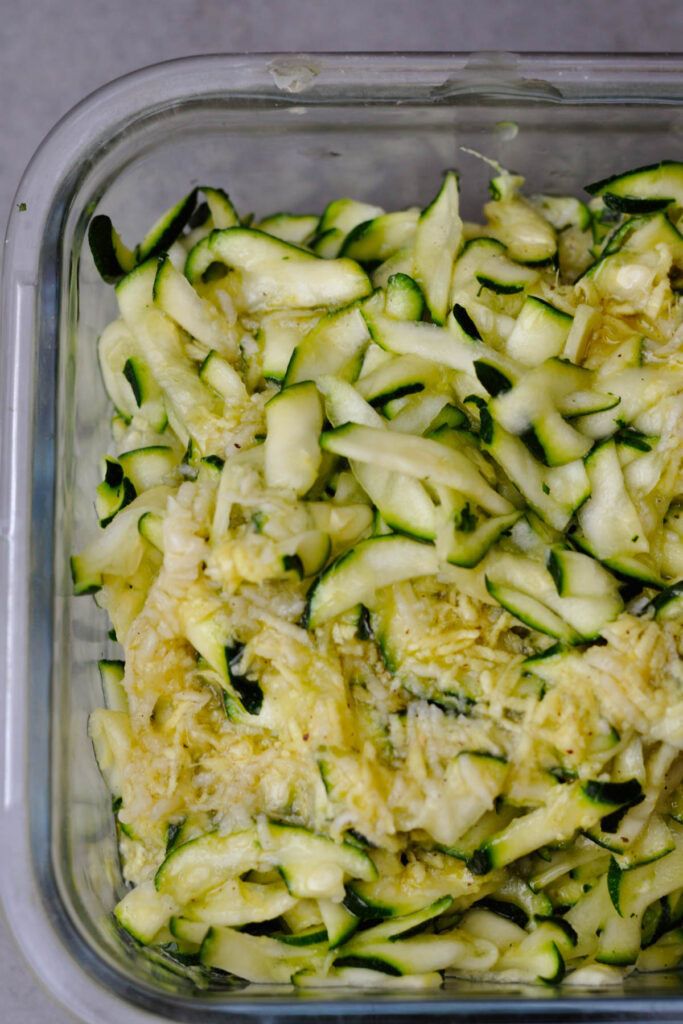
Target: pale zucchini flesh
[292, 454]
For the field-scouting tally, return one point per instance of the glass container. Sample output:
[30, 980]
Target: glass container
[279, 132]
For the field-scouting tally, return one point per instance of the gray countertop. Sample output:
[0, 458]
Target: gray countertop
[53, 54]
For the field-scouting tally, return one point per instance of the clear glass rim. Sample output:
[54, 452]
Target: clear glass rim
[286, 79]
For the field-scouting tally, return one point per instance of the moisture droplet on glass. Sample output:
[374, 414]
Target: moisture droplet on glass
[506, 130]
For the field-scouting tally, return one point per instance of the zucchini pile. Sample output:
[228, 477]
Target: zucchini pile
[391, 542]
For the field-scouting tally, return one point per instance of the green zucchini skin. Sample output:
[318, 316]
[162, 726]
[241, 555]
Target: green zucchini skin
[105, 251]
[582, 802]
[167, 229]
[669, 602]
[646, 189]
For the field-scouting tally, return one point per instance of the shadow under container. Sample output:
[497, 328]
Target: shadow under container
[279, 132]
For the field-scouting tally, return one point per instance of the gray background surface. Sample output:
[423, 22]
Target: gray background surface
[54, 52]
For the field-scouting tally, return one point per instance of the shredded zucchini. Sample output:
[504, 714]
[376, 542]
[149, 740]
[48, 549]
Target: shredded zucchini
[395, 576]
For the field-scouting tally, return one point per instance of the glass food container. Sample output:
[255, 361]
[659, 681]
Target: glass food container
[280, 132]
